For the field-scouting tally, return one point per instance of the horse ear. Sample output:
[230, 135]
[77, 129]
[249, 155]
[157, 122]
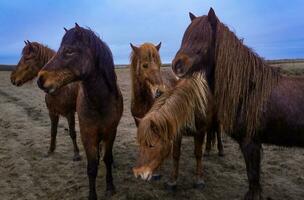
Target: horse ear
[30, 44]
[192, 16]
[134, 48]
[158, 46]
[77, 27]
[212, 18]
[25, 42]
[66, 30]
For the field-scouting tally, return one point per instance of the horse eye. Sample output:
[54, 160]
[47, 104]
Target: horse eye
[151, 146]
[145, 65]
[69, 52]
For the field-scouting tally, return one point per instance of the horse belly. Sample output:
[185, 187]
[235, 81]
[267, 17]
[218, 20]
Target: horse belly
[64, 101]
[284, 117]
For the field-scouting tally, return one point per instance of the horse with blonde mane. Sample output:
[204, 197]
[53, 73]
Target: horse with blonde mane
[256, 104]
[147, 81]
[177, 111]
[61, 103]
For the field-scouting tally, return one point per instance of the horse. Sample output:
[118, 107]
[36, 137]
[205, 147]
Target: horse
[256, 103]
[177, 111]
[63, 102]
[84, 57]
[147, 81]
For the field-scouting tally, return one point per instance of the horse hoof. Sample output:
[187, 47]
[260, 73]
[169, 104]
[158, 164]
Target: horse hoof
[92, 197]
[199, 184]
[207, 154]
[156, 177]
[77, 158]
[114, 165]
[221, 154]
[48, 154]
[171, 186]
[110, 193]
[253, 195]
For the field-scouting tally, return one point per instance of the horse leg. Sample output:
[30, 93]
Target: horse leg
[108, 160]
[252, 155]
[198, 141]
[208, 142]
[219, 140]
[91, 146]
[72, 132]
[176, 150]
[54, 124]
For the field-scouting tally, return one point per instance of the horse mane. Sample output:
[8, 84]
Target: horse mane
[146, 50]
[175, 109]
[243, 82]
[43, 52]
[102, 54]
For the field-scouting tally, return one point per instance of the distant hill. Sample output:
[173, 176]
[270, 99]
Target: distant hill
[288, 66]
[7, 67]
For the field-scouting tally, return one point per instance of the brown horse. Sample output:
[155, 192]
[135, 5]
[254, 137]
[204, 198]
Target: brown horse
[255, 102]
[63, 102]
[147, 80]
[176, 112]
[83, 56]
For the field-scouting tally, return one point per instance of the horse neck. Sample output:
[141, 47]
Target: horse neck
[141, 93]
[96, 91]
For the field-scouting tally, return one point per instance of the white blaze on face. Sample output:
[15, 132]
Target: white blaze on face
[144, 173]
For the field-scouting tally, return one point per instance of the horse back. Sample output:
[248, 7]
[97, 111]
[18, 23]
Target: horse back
[283, 122]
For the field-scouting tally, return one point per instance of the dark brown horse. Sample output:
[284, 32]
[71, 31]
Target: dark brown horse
[255, 102]
[83, 56]
[63, 102]
[177, 111]
[147, 79]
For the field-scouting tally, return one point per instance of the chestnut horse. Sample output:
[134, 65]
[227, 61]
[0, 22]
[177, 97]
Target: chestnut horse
[63, 102]
[176, 112]
[83, 56]
[256, 103]
[148, 81]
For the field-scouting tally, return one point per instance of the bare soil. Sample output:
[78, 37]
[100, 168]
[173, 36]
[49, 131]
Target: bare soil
[25, 172]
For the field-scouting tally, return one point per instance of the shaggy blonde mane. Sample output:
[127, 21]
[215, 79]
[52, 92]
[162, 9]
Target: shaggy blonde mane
[176, 109]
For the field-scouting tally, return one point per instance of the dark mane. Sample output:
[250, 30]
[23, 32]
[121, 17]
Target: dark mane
[100, 50]
[243, 82]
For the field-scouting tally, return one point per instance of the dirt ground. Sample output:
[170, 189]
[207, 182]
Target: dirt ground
[25, 172]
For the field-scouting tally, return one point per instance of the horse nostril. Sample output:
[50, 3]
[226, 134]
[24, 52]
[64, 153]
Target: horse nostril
[40, 82]
[178, 66]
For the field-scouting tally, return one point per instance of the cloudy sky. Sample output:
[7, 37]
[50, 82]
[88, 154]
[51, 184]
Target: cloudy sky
[273, 28]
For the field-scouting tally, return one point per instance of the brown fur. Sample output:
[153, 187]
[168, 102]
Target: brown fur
[83, 56]
[146, 78]
[178, 111]
[63, 102]
[175, 110]
[256, 104]
[244, 82]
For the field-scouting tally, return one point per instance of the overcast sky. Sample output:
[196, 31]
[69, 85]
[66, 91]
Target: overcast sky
[273, 28]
